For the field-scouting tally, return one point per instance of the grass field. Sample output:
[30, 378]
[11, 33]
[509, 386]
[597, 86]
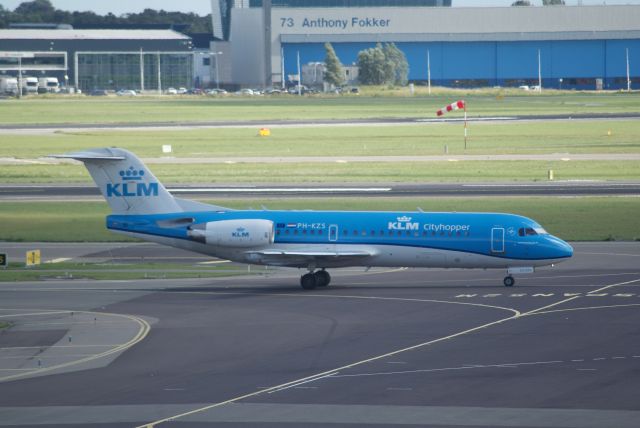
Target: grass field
[576, 219]
[608, 136]
[60, 110]
[356, 172]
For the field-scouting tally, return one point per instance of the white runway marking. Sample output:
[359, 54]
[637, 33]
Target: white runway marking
[332, 373]
[143, 330]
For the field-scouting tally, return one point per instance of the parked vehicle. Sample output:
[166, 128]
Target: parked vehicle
[171, 91]
[50, 84]
[126, 93]
[9, 85]
[30, 84]
[98, 93]
[182, 91]
[216, 92]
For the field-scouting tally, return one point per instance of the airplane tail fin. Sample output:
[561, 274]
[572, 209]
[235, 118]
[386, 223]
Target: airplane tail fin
[125, 182]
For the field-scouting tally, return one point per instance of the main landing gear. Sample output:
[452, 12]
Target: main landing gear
[312, 280]
[509, 281]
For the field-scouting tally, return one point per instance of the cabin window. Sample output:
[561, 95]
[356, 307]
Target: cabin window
[345, 232]
[416, 234]
[278, 232]
[313, 232]
[295, 232]
[304, 231]
[373, 233]
[320, 232]
[391, 233]
[286, 231]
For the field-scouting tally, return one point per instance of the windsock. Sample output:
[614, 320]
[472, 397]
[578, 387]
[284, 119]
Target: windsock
[455, 106]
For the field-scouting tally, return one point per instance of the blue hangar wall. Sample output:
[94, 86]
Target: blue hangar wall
[475, 64]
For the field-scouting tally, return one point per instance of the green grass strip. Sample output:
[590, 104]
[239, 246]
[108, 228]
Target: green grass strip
[354, 172]
[373, 103]
[575, 219]
[610, 136]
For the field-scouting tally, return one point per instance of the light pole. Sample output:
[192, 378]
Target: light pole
[215, 55]
[19, 77]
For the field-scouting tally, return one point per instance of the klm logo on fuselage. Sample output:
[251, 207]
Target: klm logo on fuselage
[132, 185]
[403, 223]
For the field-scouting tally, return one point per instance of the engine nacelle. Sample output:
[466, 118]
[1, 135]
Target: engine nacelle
[234, 233]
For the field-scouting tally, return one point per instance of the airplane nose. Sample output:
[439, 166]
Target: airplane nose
[563, 249]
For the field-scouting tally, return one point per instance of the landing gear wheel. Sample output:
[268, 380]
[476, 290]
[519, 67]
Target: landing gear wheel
[509, 281]
[308, 281]
[322, 278]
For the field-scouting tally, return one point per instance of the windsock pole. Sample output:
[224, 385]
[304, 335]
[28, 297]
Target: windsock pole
[465, 126]
[461, 104]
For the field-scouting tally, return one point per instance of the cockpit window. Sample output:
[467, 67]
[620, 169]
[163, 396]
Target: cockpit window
[526, 231]
[531, 231]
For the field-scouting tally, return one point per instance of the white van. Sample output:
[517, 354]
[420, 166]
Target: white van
[51, 84]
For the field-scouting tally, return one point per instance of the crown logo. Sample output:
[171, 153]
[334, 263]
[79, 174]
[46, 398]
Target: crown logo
[404, 218]
[131, 174]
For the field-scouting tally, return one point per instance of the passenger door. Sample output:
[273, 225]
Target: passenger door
[497, 240]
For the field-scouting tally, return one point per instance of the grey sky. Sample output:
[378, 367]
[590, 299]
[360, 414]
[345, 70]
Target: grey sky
[204, 6]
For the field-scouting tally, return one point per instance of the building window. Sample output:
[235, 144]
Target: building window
[206, 61]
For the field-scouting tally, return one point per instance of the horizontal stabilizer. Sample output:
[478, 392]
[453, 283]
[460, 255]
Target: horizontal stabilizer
[126, 183]
[96, 154]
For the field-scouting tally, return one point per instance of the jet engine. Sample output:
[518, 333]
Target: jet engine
[234, 233]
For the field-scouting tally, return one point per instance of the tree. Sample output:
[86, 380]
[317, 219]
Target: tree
[521, 3]
[553, 2]
[35, 7]
[43, 11]
[383, 65]
[397, 63]
[372, 66]
[333, 73]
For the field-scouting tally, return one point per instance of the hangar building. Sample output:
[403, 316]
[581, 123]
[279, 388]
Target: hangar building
[579, 46]
[100, 59]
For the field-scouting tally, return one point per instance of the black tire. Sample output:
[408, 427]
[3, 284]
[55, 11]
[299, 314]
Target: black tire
[509, 281]
[322, 278]
[308, 281]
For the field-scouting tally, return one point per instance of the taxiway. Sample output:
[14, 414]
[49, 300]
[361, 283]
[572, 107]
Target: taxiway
[384, 347]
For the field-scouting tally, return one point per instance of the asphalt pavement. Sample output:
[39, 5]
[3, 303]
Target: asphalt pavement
[388, 347]
[190, 191]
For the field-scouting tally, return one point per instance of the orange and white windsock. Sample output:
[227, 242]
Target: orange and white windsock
[454, 106]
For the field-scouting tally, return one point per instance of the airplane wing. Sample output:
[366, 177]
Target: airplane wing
[302, 258]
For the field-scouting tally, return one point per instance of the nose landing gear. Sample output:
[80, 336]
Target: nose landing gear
[311, 280]
[508, 281]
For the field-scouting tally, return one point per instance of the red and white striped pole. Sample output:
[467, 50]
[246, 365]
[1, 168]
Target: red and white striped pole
[456, 106]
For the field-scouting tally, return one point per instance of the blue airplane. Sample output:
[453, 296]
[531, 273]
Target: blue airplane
[316, 240]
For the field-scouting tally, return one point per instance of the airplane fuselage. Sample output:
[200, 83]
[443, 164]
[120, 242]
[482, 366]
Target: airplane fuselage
[410, 239]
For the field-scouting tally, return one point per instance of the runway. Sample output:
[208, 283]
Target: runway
[381, 121]
[386, 347]
[551, 188]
